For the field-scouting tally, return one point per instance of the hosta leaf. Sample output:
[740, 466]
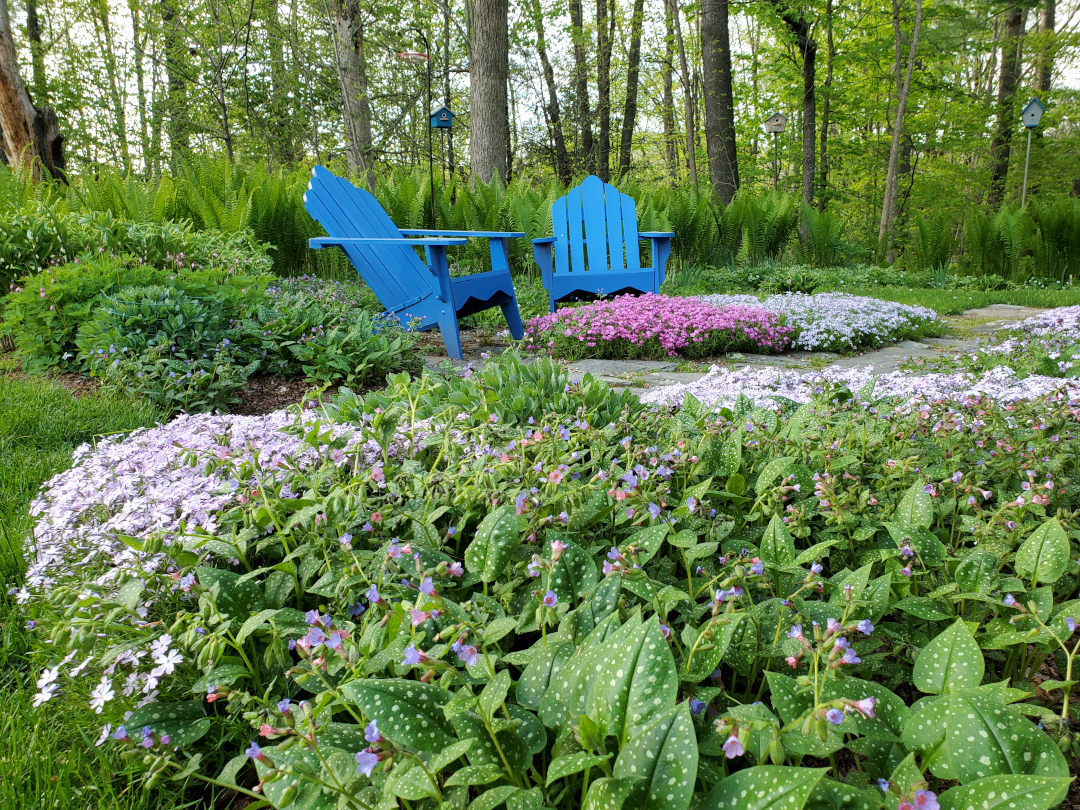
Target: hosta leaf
[1008, 792]
[491, 548]
[1044, 556]
[611, 794]
[950, 662]
[978, 572]
[409, 713]
[666, 754]
[765, 787]
[569, 764]
[916, 508]
[777, 546]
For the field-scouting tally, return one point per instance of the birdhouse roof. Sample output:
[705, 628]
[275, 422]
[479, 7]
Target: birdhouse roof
[442, 108]
[779, 115]
[1034, 103]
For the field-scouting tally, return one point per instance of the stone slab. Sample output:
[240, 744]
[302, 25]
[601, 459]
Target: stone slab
[616, 367]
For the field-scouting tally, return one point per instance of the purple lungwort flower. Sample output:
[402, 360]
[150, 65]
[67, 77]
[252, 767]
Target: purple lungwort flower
[551, 598]
[426, 586]
[654, 510]
[1009, 600]
[371, 732]
[834, 716]
[865, 627]
[467, 654]
[366, 762]
[795, 631]
[284, 706]
[696, 706]
[312, 617]
[733, 748]
[851, 657]
[253, 751]
[926, 800]
[372, 594]
[412, 656]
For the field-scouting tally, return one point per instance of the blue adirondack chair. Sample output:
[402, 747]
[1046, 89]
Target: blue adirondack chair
[595, 246]
[388, 263]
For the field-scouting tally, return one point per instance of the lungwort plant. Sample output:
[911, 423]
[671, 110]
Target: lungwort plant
[410, 600]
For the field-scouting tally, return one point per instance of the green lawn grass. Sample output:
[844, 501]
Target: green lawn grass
[953, 302]
[47, 755]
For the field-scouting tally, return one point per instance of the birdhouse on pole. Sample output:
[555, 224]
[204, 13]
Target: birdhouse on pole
[776, 123]
[442, 118]
[1032, 112]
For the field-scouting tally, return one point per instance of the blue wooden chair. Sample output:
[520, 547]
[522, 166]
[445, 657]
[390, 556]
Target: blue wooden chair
[387, 261]
[594, 251]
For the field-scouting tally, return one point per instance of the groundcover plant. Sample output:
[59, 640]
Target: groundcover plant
[508, 589]
[838, 321]
[655, 326]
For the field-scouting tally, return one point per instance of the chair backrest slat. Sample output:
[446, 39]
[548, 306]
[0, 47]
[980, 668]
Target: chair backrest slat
[595, 230]
[394, 273]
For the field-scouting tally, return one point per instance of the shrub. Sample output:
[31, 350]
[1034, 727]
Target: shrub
[655, 326]
[44, 313]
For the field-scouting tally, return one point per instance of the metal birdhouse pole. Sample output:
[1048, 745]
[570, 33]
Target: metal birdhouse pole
[1031, 115]
[776, 123]
[424, 59]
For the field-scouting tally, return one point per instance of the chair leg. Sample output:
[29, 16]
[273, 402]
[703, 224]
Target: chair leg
[551, 300]
[448, 325]
[512, 314]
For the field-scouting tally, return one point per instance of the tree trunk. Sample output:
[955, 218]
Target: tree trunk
[1001, 143]
[603, 90]
[148, 159]
[30, 136]
[892, 176]
[626, 137]
[116, 95]
[282, 140]
[562, 163]
[176, 100]
[446, 86]
[586, 155]
[688, 96]
[671, 149]
[826, 104]
[38, 82]
[347, 24]
[489, 125]
[1045, 73]
[719, 102]
[809, 116]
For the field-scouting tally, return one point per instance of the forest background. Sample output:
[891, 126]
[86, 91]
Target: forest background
[897, 110]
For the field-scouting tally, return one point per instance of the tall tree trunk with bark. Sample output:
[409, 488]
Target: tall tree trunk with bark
[1011, 64]
[626, 137]
[719, 100]
[176, 114]
[489, 125]
[603, 90]
[446, 86]
[30, 136]
[826, 106]
[1045, 74]
[587, 154]
[671, 149]
[38, 82]
[903, 86]
[348, 26]
[554, 115]
[149, 159]
[800, 27]
[688, 93]
[116, 94]
[282, 141]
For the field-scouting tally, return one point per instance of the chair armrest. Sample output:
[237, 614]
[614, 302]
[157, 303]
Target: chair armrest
[547, 240]
[332, 241]
[655, 235]
[483, 234]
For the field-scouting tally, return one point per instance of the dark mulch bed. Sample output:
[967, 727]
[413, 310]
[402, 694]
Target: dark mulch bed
[269, 392]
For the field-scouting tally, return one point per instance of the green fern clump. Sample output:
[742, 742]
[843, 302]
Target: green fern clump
[935, 243]
[768, 224]
[997, 245]
[819, 240]
[1056, 246]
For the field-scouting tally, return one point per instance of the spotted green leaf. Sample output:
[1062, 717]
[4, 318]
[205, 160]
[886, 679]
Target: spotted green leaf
[764, 787]
[491, 548]
[776, 467]
[612, 794]
[978, 572]
[1044, 555]
[476, 775]
[666, 754]
[916, 508]
[409, 713]
[973, 734]
[569, 764]
[448, 755]
[232, 597]
[184, 721]
[891, 714]
[777, 546]
[490, 799]
[923, 608]
[539, 673]
[635, 683]
[573, 575]
[647, 542]
[531, 729]
[950, 662]
[730, 456]
[494, 694]
[1007, 792]
[832, 795]
[708, 647]
[309, 794]
[409, 783]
